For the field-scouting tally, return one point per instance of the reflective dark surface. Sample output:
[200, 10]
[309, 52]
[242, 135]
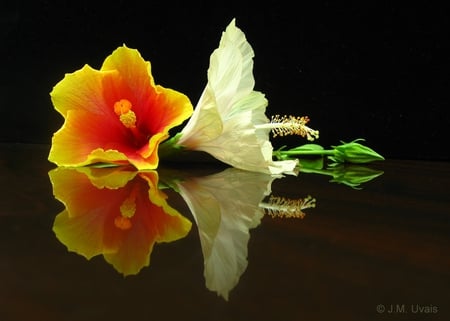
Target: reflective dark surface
[376, 253]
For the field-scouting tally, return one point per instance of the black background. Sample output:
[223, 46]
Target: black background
[374, 70]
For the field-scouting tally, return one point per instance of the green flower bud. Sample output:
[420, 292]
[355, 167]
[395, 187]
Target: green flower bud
[354, 175]
[354, 152]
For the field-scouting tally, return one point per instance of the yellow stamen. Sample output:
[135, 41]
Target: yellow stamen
[127, 211]
[127, 117]
[291, 125]
[287, 208]
[128, 207]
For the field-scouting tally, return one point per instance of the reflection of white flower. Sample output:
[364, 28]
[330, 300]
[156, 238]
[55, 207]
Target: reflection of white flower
[225, 206]
[229, 121]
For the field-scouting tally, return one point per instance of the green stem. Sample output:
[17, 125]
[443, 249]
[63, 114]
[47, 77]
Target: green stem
[169, 148]
[323, 152]
[315, 171]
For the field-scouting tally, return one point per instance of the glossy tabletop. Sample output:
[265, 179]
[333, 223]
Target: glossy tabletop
[212, 243]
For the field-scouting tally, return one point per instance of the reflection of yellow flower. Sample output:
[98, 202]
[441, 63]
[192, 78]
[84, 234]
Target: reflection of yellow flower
[116, 114]
[114, 212]
[229, 121]
[225, 206]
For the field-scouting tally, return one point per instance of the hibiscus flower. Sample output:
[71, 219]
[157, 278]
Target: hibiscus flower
[114, 212]
[114, 115]
[229, 120]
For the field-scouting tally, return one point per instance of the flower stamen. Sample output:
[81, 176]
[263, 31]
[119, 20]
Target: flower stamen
[291, 125]
[287, 208]
[127, 117]
[127, 211]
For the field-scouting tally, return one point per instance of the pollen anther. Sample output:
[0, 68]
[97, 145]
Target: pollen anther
[291, 125]
[128, 119]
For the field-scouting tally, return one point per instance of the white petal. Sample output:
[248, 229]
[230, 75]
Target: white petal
[224, 123]
[225, 207]
[230, 73]
[204, 125]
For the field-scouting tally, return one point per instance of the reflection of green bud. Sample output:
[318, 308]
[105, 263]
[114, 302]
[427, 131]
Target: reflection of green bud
[353, 175]
[311, 163]
[354, 152]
